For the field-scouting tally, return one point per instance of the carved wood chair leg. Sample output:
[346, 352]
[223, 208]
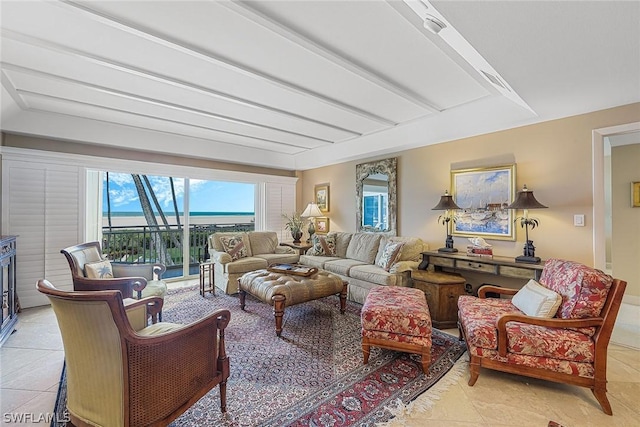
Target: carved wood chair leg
[278, 311]
[223, 396]
[366, 349]
[474, 370]
[243, 296]
[601, 396]
[425, 361]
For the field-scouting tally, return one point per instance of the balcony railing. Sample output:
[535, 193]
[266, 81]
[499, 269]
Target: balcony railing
[143, 244]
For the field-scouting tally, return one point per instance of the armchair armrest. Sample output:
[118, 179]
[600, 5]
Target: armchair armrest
[482, 291]
[148, 271]
[501, 325]
[199, 343]
[126, 285]
[220, 257]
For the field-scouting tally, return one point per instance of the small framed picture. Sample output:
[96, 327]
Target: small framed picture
[322, 225]
[321, 192]
[635, 194]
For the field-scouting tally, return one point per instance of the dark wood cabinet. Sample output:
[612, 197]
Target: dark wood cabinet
[442, 291]
[8, 286]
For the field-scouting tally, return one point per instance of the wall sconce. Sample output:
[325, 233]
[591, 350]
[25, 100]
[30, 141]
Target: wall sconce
[448, 205]
[311, 211]
[526, 201]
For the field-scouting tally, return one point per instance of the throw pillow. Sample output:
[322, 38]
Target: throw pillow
[390, 254]
[98, 270]
[234, 246]
[536, 300]
[324, 245]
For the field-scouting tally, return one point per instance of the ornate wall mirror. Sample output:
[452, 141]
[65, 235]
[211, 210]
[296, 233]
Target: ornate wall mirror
[376, 196]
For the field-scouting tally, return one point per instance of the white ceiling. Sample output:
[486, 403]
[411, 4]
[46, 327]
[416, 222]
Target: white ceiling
[302, 84]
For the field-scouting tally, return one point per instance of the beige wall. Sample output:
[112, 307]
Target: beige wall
[625, 248]
[554, 159]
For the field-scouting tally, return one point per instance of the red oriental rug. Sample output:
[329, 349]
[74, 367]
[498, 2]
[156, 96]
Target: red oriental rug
[313, 375]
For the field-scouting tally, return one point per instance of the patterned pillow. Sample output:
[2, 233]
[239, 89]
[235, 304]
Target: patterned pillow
[323, 245]
[390, 254]
[234, 246]
[98, 270]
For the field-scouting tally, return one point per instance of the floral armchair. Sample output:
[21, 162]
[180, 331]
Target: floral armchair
[569, 346]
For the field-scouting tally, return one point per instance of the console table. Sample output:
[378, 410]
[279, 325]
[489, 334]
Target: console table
[499, 266]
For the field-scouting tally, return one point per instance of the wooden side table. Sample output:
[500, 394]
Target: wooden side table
[301, 247]
[206, 269]
[442, 291]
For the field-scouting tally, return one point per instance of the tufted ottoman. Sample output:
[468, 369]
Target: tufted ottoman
[397, 318]
[281, 290]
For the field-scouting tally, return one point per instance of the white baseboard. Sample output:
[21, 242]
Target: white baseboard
[626, 331]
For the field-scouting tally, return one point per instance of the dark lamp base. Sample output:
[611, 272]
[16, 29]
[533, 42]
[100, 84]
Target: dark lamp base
[528, 259]
[447, 250]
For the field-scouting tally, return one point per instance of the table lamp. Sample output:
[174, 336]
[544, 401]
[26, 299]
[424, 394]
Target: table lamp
[311, 211]
[448, 205]
[526, 201]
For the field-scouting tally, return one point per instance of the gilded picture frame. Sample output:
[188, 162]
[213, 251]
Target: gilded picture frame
[321, 197]
[635, 194]
[321, 224]
[483, 195]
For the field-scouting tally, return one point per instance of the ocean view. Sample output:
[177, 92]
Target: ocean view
[132, 218]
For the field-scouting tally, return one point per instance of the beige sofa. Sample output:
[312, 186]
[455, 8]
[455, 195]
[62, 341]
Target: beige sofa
[356, 257]
[254, 250]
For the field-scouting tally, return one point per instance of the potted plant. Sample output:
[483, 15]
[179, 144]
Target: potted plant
[294, 224]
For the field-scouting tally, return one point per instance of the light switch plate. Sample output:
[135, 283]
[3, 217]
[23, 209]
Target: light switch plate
[578, 220]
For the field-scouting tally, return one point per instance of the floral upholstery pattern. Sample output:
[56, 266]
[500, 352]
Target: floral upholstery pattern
[390, 254]
[479, 318]
[323, 245]
[398, 314]
[584, 289]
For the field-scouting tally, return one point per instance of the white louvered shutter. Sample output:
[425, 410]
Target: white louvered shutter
[279, 198]
[43, 210]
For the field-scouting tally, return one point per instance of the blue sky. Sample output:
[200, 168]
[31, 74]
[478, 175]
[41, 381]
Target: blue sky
[205, 196]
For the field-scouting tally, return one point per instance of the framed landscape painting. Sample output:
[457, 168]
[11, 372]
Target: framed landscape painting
[483, 195]
[321, 192]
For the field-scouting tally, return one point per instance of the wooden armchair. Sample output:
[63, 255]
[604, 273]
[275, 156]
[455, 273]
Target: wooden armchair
[570, 347]
[143, 279]
[121, 372]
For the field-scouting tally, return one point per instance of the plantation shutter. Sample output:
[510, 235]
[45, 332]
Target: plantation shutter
[279, 198]
[43, 210]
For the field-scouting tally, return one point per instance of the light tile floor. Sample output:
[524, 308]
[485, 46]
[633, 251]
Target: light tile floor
[31, 362]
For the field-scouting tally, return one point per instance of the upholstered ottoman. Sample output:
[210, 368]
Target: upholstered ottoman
[282, 290]
[397, 318]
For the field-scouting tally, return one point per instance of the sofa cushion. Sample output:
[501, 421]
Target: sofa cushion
[342, 243]
[373, 274]
[98, 270]
[584, 289]
[389, 254]
[279, 258]
[535, 300]
[246, 264]
[411, 251]
[316, 261]
[364, 247]
[323, 245]
[342, 266]
[263, 242]
[234, 246]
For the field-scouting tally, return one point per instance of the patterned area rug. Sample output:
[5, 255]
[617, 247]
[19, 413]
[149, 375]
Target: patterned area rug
[313, 375]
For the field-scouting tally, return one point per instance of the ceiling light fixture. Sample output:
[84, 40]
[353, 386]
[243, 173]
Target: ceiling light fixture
[433, 24]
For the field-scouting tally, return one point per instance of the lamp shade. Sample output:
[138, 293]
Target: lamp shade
[446, 203]
[312, 210]
[525, 200]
